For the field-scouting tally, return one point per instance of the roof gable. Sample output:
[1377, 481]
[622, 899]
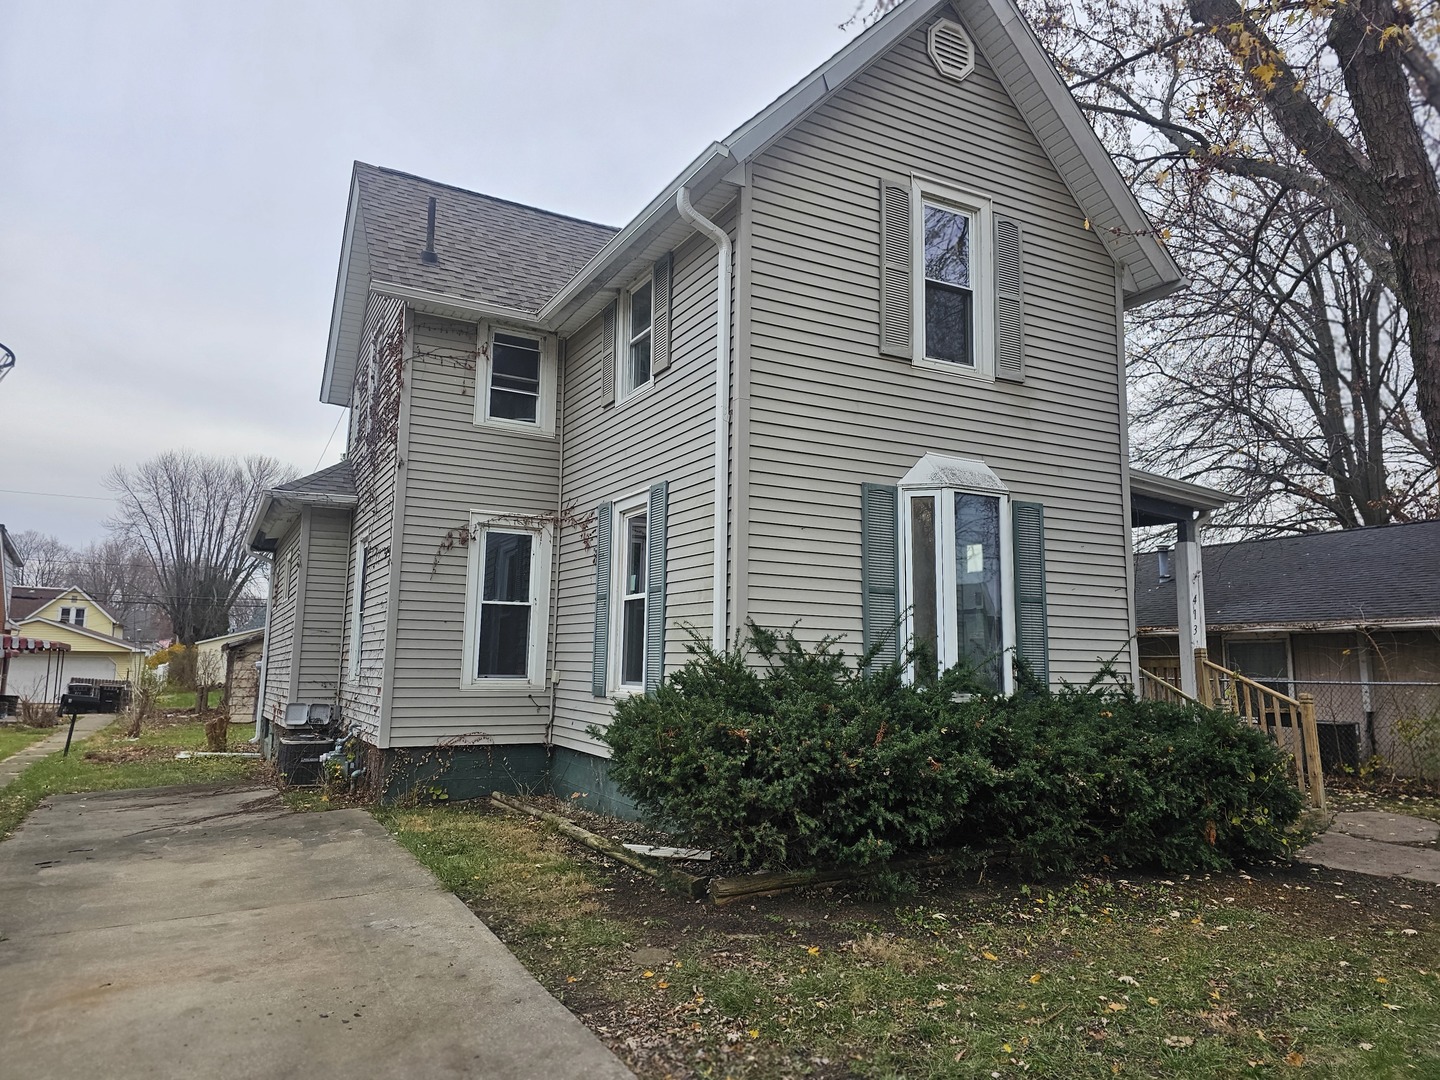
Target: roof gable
[503, 259]
[1365, 577]
[27, 601]
[111, 643]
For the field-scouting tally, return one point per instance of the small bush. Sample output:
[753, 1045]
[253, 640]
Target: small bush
[788, 757]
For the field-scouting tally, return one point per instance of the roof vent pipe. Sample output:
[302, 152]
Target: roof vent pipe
[428, 255]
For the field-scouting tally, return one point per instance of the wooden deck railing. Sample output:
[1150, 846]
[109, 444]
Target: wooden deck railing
[1289, 721]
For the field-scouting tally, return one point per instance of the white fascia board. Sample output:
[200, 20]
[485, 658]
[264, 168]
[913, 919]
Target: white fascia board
[337, 310]
[463, 307]
[1183, 492]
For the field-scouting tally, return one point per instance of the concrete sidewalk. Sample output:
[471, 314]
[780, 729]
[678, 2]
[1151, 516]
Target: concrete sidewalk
[1380, 844]
[212, 933]
[18, 762]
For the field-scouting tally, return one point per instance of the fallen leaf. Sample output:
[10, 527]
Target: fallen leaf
[1381, 979]
[1007, 1048]
[1152, 1001]
[648, 975]
[1367, 1046]
[754, 1033]
[1115, 1006]
[663, 985]
[1128, 980]
[989, 956]
[1407, 931]
[1392, 1008]
[1179, 1042]
[1294, 1057]
[1034, 979]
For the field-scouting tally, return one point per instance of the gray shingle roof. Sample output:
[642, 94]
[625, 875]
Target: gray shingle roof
[338, 481]
[489, 249]
[1382, 574]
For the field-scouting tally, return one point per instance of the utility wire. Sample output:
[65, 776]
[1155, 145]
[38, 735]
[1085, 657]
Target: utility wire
[57, 495]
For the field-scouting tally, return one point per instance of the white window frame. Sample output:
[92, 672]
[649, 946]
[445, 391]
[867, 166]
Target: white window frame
[65, 615]
[624, 390]
[544, 423]
[357, 613]
[77, 616]
[946, 614]
[982, 276]
[634, 505]
[483, 522]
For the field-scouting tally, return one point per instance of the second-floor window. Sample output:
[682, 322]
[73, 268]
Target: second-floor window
[517, 381]
[74, 616]
[639, 328]
[953, 294]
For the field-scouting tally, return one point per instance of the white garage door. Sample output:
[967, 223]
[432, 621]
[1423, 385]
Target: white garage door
[27, 674]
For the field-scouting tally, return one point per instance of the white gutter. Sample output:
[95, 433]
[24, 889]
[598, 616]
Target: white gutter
[719, 638]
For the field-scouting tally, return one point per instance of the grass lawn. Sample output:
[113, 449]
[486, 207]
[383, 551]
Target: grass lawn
[185, 699]
[106, 761]
[14, 738]
[1205, 976]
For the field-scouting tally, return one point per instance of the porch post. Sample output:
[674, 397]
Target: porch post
[1189, 601]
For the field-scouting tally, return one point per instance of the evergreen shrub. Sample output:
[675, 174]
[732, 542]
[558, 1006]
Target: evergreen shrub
[788, 757]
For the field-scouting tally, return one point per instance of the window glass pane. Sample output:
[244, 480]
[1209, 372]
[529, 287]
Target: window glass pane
[632, 645]
[979, 608]
[507, 567]
[635, 554]
[509, 405]
[947, 245]
[504, 641]
[516, 358]
[639, 311]
[922, 585]
[640, 362]
[948, 323]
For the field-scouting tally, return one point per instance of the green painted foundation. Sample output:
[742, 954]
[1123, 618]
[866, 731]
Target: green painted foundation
[473, 772]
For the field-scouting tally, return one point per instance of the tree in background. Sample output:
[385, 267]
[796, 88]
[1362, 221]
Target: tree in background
[47, 558]
[1283, 374]
[190, 514]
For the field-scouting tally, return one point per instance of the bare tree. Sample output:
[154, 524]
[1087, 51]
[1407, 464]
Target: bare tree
[190, 513]
[116, 574]
[48, 560]
[1283, 374]
[1339, 99]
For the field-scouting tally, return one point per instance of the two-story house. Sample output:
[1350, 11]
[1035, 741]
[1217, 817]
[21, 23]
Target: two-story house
[857, 370]
[96, 643]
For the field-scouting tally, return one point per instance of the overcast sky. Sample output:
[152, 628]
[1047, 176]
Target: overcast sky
[173, 179]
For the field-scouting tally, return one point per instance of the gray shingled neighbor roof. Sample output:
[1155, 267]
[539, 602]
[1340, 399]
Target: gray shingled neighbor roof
[336, 482]
[1389, 573]
[489, 249]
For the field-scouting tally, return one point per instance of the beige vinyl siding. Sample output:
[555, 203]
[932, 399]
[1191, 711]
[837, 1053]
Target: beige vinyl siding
[372, 453]
[280, 634]
[454, 466]
[327, 544]
[827, 412]
[665, 434]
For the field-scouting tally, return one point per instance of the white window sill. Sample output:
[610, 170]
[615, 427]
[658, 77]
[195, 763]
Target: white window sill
[959, 371]
[520, 427]
[503, 686]
[635, 395]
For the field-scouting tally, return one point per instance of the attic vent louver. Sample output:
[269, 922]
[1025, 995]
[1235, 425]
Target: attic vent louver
[951, 50]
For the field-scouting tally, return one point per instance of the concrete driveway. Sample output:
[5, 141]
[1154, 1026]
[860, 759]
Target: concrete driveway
[211, 933]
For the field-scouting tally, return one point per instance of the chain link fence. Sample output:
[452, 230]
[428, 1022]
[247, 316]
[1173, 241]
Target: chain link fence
[1393, 727]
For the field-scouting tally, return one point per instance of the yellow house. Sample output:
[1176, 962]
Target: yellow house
[97, 650]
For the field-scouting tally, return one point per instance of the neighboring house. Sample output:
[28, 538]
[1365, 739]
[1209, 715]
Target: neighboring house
[857, 370]
[97, 647]
[1351, 617]
[10, 566]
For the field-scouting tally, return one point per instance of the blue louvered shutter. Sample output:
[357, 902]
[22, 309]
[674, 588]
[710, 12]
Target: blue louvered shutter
[880, 572]
[1032, 634]
[601, 652]
[655, 587]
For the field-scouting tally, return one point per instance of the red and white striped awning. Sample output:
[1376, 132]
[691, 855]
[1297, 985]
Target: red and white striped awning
[14, 645]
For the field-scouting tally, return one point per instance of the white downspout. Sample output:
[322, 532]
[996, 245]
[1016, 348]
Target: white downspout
[719, 637]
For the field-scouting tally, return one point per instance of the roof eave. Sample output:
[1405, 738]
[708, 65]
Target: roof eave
[1182, 492]
[339, 316]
